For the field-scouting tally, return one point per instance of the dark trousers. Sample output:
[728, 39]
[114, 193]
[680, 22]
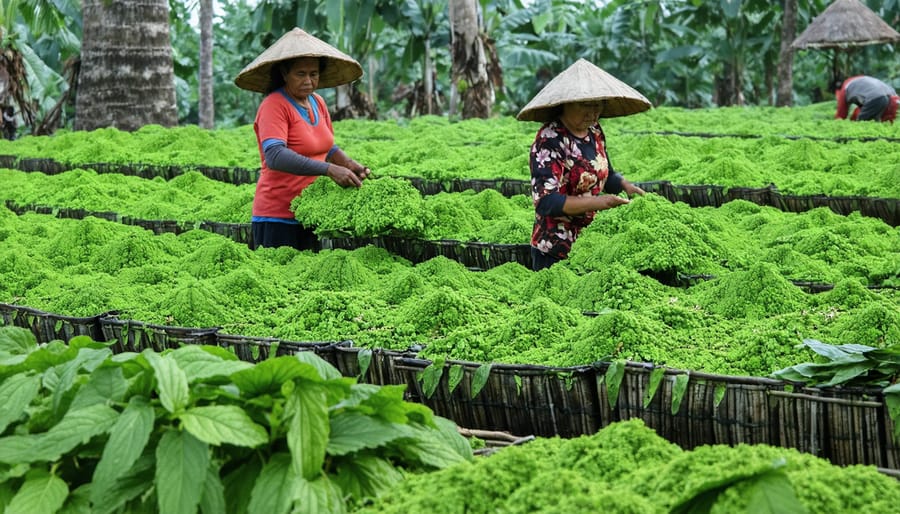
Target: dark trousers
[540, 260]
[271, 234]
[873, 108]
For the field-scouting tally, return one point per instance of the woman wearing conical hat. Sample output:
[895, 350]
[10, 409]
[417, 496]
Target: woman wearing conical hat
[570, 168]
[294, 132]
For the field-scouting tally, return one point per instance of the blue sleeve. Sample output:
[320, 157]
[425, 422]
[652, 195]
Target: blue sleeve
[551, 205]
[613, 183]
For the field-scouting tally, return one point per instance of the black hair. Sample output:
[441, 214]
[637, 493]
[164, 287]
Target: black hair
[278, 69]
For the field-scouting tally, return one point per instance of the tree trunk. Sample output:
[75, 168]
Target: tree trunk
[428, 79]
[470, 66]
[127, 77]
[206, 106]
[785, 96]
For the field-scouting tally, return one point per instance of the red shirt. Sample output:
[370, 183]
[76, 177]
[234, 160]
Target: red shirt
[279, 118]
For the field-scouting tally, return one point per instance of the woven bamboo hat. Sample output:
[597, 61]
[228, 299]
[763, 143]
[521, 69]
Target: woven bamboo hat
[340, 68]
[582, 82]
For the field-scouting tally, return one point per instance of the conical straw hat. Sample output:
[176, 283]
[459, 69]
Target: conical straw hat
[583, 82]
[340, 68]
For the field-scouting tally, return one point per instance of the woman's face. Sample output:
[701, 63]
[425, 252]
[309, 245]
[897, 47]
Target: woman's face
[579, 116]
[302, 78]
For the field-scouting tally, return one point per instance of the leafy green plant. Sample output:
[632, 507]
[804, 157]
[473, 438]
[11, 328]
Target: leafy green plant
[196, 428]
[852, 365]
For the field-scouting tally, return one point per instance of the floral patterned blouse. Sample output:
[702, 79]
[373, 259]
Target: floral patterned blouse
[566, 165]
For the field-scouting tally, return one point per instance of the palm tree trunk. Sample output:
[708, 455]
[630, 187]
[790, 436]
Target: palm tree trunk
[127, 78]
[206, 103]
[785, 96]
[469, 71]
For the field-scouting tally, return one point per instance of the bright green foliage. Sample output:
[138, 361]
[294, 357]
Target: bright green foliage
[339, 270]
[627, 468]
[192, 303]
[383, 206]
[439, 311]
[756, 293]
[617, 335]
[506, 314]
[554, 283]
[771, 344]
[614, 287]
[450, 217]
[166, 432]
[653, 235]
[875, 324]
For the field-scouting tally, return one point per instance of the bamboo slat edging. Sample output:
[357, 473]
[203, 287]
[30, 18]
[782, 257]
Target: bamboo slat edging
[823, 399]
[708, 135]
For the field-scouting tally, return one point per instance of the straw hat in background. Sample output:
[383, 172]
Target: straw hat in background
[582, 82]
[340, 68]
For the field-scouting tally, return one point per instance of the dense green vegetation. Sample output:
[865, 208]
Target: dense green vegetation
[627, 468]
[86, 430]
[506, 314]
[434, 148]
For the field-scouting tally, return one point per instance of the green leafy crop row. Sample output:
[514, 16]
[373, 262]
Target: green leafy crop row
[743, 322]
[627, 468]
[436, 148]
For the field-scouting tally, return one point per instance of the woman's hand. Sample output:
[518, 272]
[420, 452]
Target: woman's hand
[610, 201]
[343, 176]
[361, 171]
[631, 189]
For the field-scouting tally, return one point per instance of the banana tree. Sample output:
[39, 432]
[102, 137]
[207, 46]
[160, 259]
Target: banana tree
[37, 37]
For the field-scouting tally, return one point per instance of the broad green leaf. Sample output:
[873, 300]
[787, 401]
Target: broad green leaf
[364, 359]
[719, 393]
[317, 496]
[480, 378]
[181, 466]
[892, 400]
[16, 341]
[429, 447]
[127, 440]
[308, 429]
[326, 370]
[106, 384]
[268, 375]
[131, 484]
[431, 377]
[18, 448]
[613, 378]
[239, 484]
[16, 393]
[656, 377]
[41, 493]
[213, 499]
[217, 424]
[171, 381]
[448, 430]
[198, 363]
[455, 376]
[273, 491]
[366, 476]
[87, 359]
[772, 493]
[78, 501]
[678, 391]
[351, 432]
[846, 373]
[826, 350]
[76, 427]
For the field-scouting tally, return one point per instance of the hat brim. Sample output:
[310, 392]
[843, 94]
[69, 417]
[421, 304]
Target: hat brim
[584, 82]
[340, 68]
